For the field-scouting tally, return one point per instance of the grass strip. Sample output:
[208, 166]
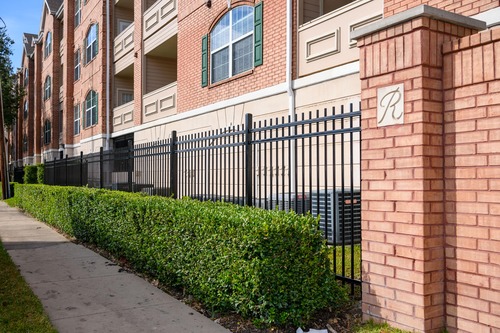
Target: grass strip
[20, 309]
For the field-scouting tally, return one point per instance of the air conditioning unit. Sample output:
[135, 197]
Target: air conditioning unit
[340, 214]
[298, 202]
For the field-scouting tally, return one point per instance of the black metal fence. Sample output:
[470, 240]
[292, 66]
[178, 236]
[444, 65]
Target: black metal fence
[311, 164]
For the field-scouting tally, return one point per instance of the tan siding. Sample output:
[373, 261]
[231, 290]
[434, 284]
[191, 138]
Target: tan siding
[159, 72]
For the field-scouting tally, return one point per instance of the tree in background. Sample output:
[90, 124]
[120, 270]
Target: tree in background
[10, 96]
[11, 91]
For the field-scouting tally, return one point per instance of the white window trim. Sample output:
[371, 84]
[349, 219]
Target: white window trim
[78, 12]
[26, 75]
[88, 111]
[229, 45]
[47, 88]
[91, 44]
[47, 130]
[48, 45]
[76, 120]
[78, 66]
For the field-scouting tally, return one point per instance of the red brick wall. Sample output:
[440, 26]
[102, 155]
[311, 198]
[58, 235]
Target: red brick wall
[51, 67]
[38, 131]
[472, 182]
[69, 65]
[464, 7]
[195, 20]
[402, 168]
[93, 74]
[27, 124]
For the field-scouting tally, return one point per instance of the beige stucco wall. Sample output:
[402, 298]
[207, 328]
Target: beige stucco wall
[318, 96]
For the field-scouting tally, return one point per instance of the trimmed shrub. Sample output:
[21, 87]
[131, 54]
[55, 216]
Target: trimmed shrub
[30, 174]
[40, 173]
[270, 266]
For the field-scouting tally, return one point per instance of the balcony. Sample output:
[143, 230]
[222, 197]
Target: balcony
[325, 41]
[160, 23]
[160, 103]
[124, 45]
[124, 3]
[123, 117]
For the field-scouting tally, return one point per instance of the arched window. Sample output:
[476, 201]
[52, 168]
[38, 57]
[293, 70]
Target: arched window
[91, 47]
[46, 88]
[48, 44]
[90, 109]
[232, 44]
[47, 130]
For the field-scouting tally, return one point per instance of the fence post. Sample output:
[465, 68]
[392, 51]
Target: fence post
[130, 165]
[248, 160]
[81, 168]
[173, 165]
[101, 167]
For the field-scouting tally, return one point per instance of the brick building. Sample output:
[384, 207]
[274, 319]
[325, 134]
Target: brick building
[99, 74]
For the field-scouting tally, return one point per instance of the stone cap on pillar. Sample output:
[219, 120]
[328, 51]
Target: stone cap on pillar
[415, 12]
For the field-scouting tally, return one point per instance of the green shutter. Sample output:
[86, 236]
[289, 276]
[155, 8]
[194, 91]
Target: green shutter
[257, 35]
[204, 61]
[96, 39]
[96, 113]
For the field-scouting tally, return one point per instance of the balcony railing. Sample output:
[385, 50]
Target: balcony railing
[123, 116]
[325, 42]
[160, 103]
[124, 42]
[158, 15]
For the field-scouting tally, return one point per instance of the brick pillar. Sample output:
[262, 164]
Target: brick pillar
[402, 166]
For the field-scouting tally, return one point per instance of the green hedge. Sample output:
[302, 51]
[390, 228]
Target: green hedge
[40, 173]
[30, 174]
[270, 266]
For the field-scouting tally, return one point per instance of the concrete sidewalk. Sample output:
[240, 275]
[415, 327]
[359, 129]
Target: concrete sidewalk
[84, 292]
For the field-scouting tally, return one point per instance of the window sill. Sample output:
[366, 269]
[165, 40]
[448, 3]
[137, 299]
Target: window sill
[232, 78]
[91, 126]
[88, 63]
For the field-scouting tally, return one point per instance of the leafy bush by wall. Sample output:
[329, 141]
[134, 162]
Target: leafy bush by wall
[30, 174]
[271, 266]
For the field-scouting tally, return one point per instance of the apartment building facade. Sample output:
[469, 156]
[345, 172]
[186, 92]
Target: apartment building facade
[103, 73]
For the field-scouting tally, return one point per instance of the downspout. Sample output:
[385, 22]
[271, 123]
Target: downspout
[291, 93]
[108, 71]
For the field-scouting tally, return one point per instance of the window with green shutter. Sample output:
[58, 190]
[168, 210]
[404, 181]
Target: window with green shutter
[235, 44]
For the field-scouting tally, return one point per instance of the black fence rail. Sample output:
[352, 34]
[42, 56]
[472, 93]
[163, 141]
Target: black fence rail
[309, 164]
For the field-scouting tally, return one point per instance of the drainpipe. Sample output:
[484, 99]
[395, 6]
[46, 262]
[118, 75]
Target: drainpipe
[108, 71]
[291, 93]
